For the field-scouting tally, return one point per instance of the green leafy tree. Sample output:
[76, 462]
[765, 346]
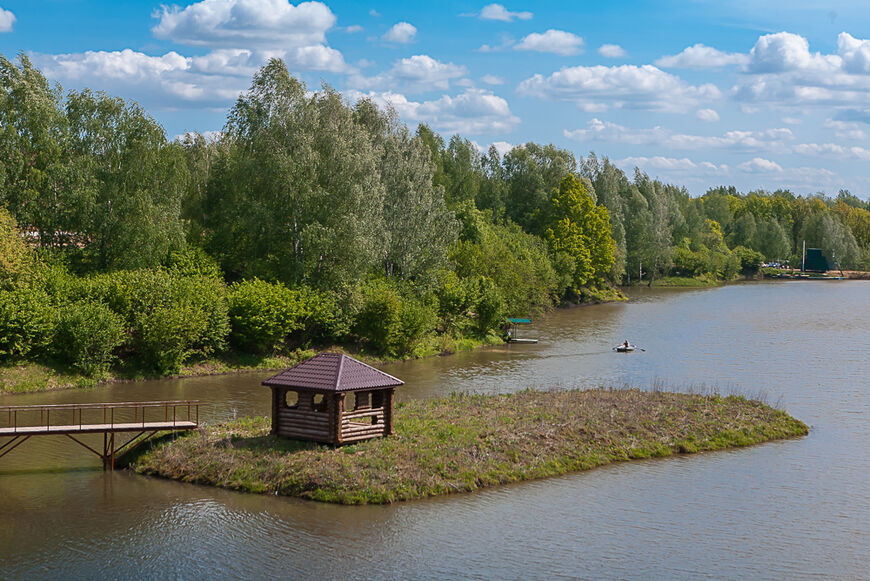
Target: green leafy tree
[42, 181]
[297, 197]
[140, 180]
[581, 229]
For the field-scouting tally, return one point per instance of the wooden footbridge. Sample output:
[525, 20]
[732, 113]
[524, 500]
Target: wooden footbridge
[142, 420]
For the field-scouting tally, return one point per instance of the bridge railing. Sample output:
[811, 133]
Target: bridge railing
[104, 414]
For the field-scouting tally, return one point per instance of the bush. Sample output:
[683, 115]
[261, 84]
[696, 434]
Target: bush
[87, 334]
[16, 259]
[26, 322]
[416, 320]
[750, 260]
[379, 321]
[194, 307]
[393, 321]
[489, 307]
[263, 314]
[166, 335]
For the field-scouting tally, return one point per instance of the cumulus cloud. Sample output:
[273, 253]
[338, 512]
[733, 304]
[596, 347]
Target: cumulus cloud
[664, 163]
[401, 33]
[776, 139]
[854, 52]
[846, 129]
[782, 70]
[833, 150]
[499, 12]
[473, 112]
[173, 80]
[611, 51]
[708, 115]
[502, 147]
[245, 23]
[7, 19]
[701, 57]
[784, 51]
[492, 80]
[552, 41]
[627, 86]
[760, 165]
[418, 73]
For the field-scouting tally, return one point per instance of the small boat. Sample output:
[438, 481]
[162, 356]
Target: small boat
[624, 349]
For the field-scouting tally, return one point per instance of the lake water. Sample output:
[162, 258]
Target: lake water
[795, 509]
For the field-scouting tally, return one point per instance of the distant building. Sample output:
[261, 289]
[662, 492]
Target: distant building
[816, 261]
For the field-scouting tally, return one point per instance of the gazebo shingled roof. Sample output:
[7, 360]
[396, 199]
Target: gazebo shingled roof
[333, 372]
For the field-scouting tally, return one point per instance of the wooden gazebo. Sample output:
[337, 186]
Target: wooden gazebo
[334, 399]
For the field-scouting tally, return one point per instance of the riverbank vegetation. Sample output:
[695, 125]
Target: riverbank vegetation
[466, 442]
[312, 221]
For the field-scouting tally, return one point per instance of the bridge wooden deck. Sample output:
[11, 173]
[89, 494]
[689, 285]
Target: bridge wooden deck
[143, 419]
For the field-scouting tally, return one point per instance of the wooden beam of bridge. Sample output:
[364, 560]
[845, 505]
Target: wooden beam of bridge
[109, 419]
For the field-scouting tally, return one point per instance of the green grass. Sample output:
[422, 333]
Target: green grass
[466, 442]
[29, 376]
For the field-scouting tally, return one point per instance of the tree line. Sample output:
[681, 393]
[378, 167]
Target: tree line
[312, 220]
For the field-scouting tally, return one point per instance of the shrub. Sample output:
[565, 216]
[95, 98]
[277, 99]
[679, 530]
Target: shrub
[379, 321]
[87, 334]
[750, 260]
[393, 320]
[26, 322]
[263, 314]
[489, 306]
[194, 306]
[16, 259]
[166, 335]
[416, 319]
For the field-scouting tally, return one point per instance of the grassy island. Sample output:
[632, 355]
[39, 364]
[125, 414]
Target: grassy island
[466, 442]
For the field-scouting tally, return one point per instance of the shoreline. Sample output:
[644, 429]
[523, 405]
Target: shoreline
[464, 443]
[38, 377]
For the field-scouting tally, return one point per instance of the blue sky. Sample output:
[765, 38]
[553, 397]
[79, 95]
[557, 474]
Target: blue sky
[700, 93]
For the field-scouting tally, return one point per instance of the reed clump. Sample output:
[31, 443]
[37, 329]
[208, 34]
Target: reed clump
[463, 443]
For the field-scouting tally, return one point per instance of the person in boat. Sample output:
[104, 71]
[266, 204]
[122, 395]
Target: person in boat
[626, 345]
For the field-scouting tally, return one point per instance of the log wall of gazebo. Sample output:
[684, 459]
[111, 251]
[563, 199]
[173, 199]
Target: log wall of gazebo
[333, 399]
[331, 422]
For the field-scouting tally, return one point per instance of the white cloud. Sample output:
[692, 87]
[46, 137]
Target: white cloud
[611, 51]
[708, 115]
[627, 86]
[7, 19]
[833, 150]
[401, 33]
[492, 80]
[792, 120]
[245, 23]
[701, 57]
[846, 129]
[353, 28]
[784, 51]
[499, 12]
[419, 73]
[473, 112]
[765, 140]
[553, 41]
[502, 147]
[759, 165]
[172, 80]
